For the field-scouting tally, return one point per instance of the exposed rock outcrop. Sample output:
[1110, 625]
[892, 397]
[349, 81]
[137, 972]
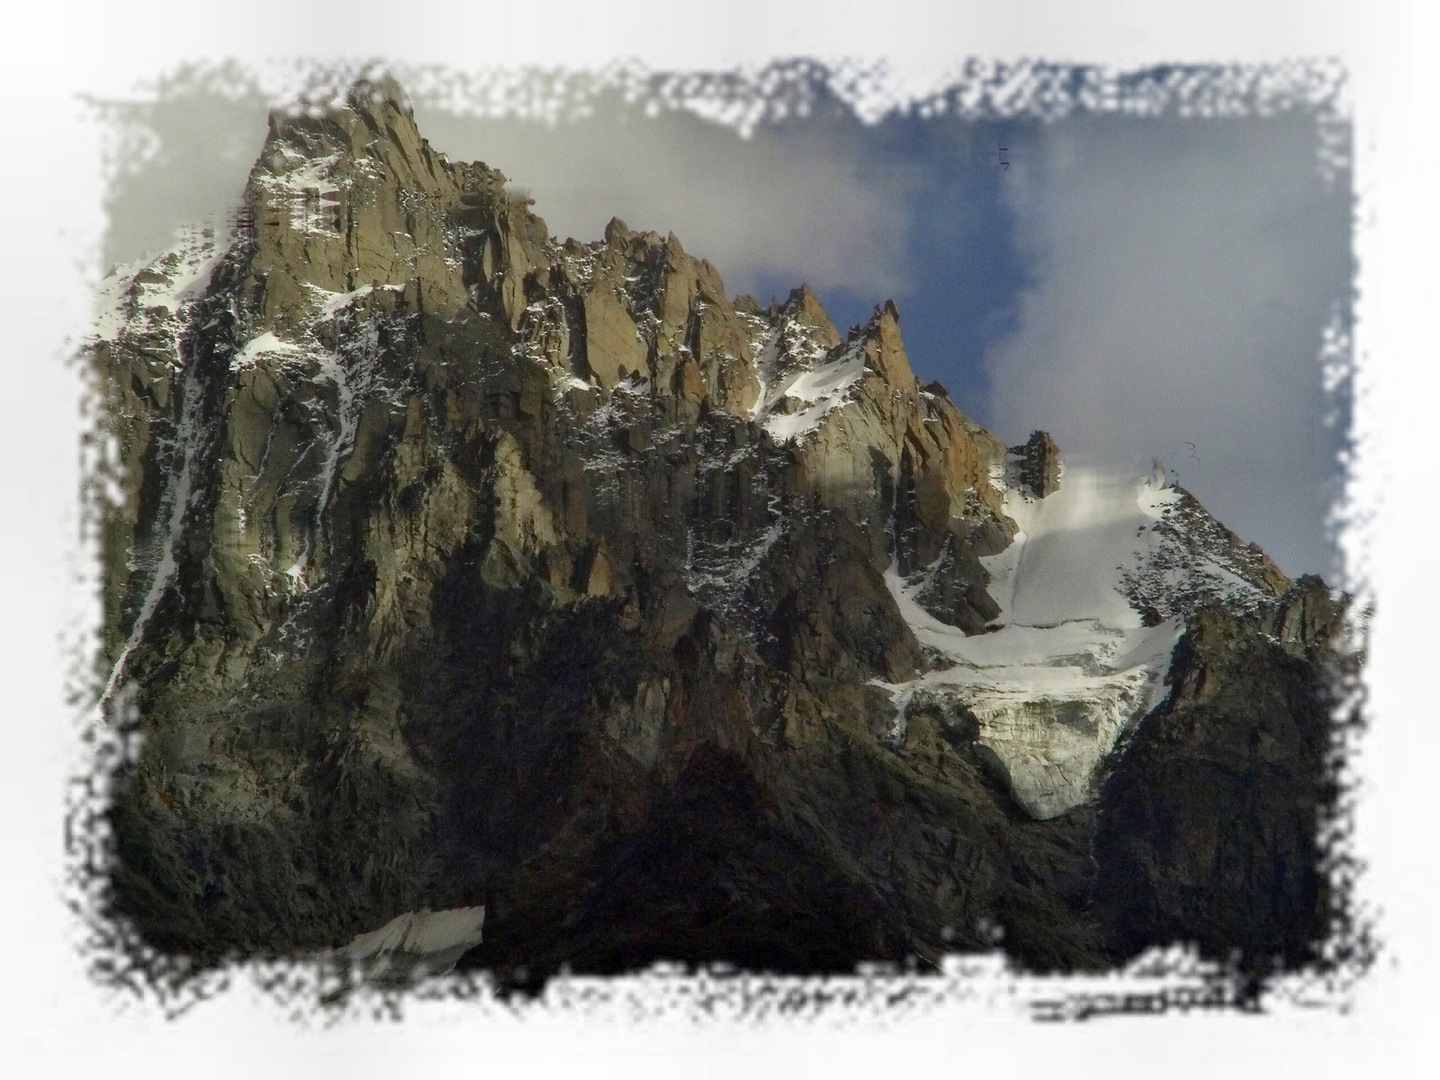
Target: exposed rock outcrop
[1039, 464]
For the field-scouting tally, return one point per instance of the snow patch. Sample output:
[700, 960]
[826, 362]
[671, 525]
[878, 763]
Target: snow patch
[157, 295]
[1074, 547]
[822, 387]
[267, 344]
[174, 502]
[332, 303]
[141, 294]
[351, 387]
[417, 942]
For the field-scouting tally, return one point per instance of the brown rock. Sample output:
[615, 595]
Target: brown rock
[612, 346]
[885, 353]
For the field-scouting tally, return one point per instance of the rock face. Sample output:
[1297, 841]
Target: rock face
[1246, 726]
[453, 566]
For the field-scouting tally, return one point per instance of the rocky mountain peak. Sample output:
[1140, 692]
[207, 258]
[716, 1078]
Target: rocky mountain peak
[803, 308]
[884, 351]
[347, 195]
[617, 233]
[457, 569]
[371, 118]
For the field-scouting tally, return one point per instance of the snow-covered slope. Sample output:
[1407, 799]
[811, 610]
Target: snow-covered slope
[148, 305]
[154, 293]
[1070, 664]
[812, 392]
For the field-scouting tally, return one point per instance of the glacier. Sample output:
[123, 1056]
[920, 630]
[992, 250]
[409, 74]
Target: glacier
[1069, 666]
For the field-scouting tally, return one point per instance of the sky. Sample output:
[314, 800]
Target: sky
[1139, 287]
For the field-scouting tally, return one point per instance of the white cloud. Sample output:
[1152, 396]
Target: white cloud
[1183, 275]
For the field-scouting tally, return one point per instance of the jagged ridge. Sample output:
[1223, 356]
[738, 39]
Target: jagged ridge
[473, 567]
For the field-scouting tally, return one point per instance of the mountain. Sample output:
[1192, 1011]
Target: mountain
[449, 567]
